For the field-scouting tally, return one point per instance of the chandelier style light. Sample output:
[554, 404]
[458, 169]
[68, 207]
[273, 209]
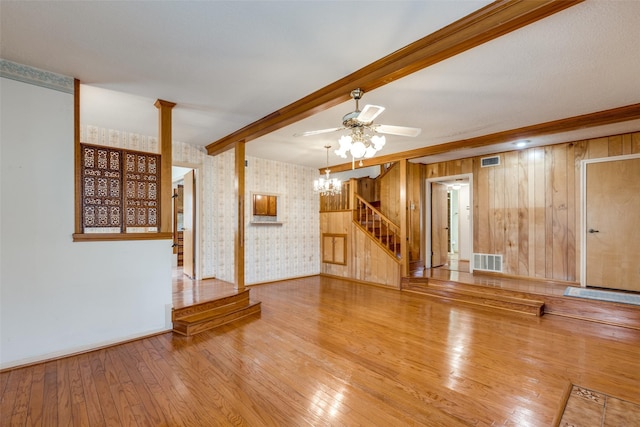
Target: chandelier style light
[327, 186]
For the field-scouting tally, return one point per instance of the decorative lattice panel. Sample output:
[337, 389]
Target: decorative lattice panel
[142, 180]
[101, 189]
[106, 207]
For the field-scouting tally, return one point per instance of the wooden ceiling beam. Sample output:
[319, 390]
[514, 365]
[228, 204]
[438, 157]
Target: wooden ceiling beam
[600, 118]
[481, 26]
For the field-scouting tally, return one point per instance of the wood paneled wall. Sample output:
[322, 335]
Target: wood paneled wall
[388, 190]
[415, 211]
[528, 207]
[366, 261]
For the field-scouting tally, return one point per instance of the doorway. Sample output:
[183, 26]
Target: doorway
[184, 222]
[448, 234]
[611, 202]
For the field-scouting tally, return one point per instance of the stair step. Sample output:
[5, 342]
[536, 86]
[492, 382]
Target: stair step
[239, 297]
[204, 321]
[500, 300]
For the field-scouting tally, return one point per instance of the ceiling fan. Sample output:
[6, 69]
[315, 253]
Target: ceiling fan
[363, 120]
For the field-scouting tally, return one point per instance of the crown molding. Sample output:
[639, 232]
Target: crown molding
[35, 76]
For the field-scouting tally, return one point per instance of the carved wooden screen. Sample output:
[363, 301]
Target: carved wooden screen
[142, 179]
[106, 208]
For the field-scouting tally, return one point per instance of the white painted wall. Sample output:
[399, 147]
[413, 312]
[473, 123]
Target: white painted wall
[56, 296]
[464, 232]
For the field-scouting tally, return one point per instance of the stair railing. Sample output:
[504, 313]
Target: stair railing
[378, 226]
[337, 202]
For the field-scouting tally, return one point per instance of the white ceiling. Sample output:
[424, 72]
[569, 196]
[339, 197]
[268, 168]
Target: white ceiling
[229, 63]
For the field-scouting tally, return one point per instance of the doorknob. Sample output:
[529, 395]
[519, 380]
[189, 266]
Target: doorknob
[591, 230]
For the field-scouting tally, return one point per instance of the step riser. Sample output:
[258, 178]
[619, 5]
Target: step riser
[493, 304]
[607, 313]
[242, 298]
[490, 301]
[190, 329]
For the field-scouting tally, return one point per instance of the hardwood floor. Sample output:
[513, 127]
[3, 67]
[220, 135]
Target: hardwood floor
[187, 292]
[331, 352]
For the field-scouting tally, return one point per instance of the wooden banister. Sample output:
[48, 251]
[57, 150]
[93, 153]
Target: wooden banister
[337, 202]
[377, 225]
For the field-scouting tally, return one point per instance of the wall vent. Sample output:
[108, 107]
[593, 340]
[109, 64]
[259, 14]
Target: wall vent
[490, 161]
[487, 262]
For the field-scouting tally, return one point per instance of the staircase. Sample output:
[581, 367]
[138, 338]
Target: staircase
[207, 315]
[490, 298]
[383, 231]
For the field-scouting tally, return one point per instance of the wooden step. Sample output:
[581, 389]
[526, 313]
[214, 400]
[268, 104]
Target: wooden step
[496, 299]
[231, 298]
[195, 325]
[210, 314]
[604, 312]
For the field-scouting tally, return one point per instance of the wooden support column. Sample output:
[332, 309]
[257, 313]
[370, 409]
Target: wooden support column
[353, 190]
[166, 160]
[238, 273]
[77, 154]
[404, 230]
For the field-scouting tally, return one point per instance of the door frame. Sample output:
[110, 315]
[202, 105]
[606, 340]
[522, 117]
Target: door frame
[426, 257]
[583, 208]
[196, 236]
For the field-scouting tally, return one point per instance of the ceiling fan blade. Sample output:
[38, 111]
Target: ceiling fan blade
[318, 132]
[397, 130]
[369, 113]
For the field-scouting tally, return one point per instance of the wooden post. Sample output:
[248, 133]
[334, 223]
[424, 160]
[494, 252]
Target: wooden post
[77, 154]
[404, 253]
[353, 190]
[164, 139]
[239, 229]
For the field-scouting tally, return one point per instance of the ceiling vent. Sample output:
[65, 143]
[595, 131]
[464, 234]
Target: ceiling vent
[490, 161]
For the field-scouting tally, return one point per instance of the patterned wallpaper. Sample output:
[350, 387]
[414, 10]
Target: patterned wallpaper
[272, 252]
[120, 139]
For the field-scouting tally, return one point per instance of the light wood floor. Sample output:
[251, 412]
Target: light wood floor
[330, 352]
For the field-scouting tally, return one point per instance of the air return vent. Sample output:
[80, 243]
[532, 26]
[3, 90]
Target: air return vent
[490, 161]
[487, 262]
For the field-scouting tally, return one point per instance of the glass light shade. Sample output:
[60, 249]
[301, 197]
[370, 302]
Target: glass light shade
[370, 152]
[358, 149]
[345, 141]
[378, 141]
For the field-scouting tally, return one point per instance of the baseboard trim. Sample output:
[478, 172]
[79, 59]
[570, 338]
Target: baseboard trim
[362, 282]
[51, 357]
[279, 280]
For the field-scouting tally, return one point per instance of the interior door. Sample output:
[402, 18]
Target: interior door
[612, 214]
[439, 224]
[189, 224]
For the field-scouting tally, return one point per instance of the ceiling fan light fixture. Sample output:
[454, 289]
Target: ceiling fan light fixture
[365, 140]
